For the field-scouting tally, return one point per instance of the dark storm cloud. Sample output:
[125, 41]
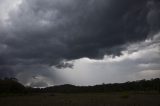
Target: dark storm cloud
[6, 71]
[154, 15]
[50, 31]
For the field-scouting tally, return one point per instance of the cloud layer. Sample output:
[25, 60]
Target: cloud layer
[38, 34]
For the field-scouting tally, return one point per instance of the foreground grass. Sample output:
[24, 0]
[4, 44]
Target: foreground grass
[84, 99]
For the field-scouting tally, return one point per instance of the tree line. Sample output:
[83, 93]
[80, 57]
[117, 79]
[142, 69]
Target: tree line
[11, 85]
[141, 85]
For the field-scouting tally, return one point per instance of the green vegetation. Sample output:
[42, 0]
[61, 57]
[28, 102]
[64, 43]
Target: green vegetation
[125, 95]
[81, 99]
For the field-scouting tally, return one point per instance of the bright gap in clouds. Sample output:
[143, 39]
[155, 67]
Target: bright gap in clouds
[6, 6]
[139, 61]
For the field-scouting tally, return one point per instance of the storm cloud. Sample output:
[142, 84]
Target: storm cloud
[38, 34]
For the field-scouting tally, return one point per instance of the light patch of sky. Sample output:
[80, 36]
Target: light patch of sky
[6, 6]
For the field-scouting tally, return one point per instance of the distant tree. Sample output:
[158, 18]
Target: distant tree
[11, 85]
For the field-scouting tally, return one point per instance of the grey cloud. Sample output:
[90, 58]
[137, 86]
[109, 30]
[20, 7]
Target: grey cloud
[154, 15]
[37, 75]
[49, 31]
[65, 65]
[6, 71]
[53, 30]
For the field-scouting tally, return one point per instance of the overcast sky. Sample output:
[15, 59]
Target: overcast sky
[80, 42]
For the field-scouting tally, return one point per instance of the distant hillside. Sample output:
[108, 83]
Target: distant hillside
[141, 85]
[11, 85]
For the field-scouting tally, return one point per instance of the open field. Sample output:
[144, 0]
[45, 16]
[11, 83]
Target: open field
[84, 99]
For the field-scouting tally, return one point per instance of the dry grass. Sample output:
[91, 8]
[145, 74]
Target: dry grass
[92, 99]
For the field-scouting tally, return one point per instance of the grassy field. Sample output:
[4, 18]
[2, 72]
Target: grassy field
[85, 99]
